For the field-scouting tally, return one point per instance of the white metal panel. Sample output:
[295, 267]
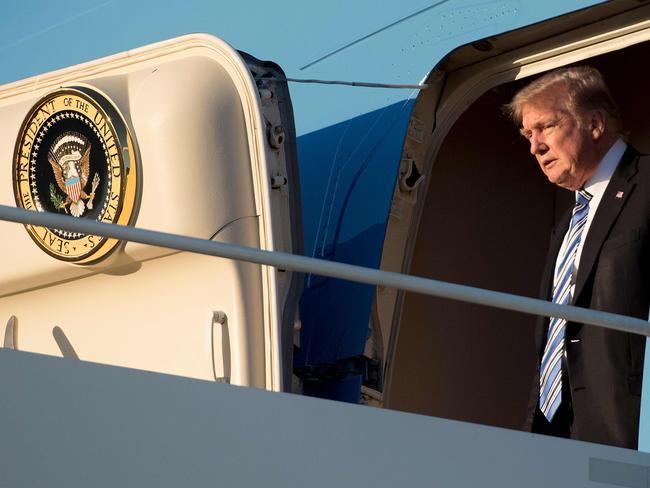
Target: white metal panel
[195, 114]
[74, 424]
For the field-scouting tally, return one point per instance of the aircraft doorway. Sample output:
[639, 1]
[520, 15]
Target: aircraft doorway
[485, 221]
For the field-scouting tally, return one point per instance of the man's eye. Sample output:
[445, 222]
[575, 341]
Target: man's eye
[549, 126]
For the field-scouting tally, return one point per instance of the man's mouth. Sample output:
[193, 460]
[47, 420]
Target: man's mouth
[548, 163]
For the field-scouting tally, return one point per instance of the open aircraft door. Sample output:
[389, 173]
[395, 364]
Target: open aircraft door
[186, 136]
[471, 207]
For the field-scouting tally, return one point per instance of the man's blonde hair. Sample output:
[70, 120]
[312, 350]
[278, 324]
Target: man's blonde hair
[585, 90]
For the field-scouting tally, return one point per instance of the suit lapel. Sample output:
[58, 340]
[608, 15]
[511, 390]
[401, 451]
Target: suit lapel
[616, 194]
[554, 248]
[546, 288]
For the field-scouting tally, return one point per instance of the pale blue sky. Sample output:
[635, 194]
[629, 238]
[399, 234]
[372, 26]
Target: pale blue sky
[398, 42]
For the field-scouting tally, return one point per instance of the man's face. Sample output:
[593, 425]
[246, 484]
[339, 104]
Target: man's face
[565, 152]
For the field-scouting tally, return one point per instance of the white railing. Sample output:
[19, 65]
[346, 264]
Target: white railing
[331, 269]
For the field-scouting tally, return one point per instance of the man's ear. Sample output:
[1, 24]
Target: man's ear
[597, 124]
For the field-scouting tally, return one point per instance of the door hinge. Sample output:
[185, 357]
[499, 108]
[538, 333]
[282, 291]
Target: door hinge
[319, 374]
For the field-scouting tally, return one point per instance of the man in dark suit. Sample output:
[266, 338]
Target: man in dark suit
[588, 384]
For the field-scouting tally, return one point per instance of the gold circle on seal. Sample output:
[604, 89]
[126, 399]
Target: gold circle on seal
[74, 155]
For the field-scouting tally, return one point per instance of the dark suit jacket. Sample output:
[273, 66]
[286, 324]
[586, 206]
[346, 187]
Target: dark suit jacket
[605, 367]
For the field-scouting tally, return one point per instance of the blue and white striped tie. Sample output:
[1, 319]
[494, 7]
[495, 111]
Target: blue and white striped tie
[550, 378]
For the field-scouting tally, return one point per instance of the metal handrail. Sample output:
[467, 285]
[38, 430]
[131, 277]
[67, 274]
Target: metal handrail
[331, 269]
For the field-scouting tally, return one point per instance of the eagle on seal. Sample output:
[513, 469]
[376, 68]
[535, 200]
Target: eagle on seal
[69, 156]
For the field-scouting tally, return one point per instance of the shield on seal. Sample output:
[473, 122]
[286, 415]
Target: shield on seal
[73, 188]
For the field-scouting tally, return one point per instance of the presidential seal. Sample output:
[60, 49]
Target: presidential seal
[74, 155]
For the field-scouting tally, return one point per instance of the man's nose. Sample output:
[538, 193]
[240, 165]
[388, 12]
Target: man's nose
[537, 145]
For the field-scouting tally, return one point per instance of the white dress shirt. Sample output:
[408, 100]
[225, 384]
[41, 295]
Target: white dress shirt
[596, 186]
